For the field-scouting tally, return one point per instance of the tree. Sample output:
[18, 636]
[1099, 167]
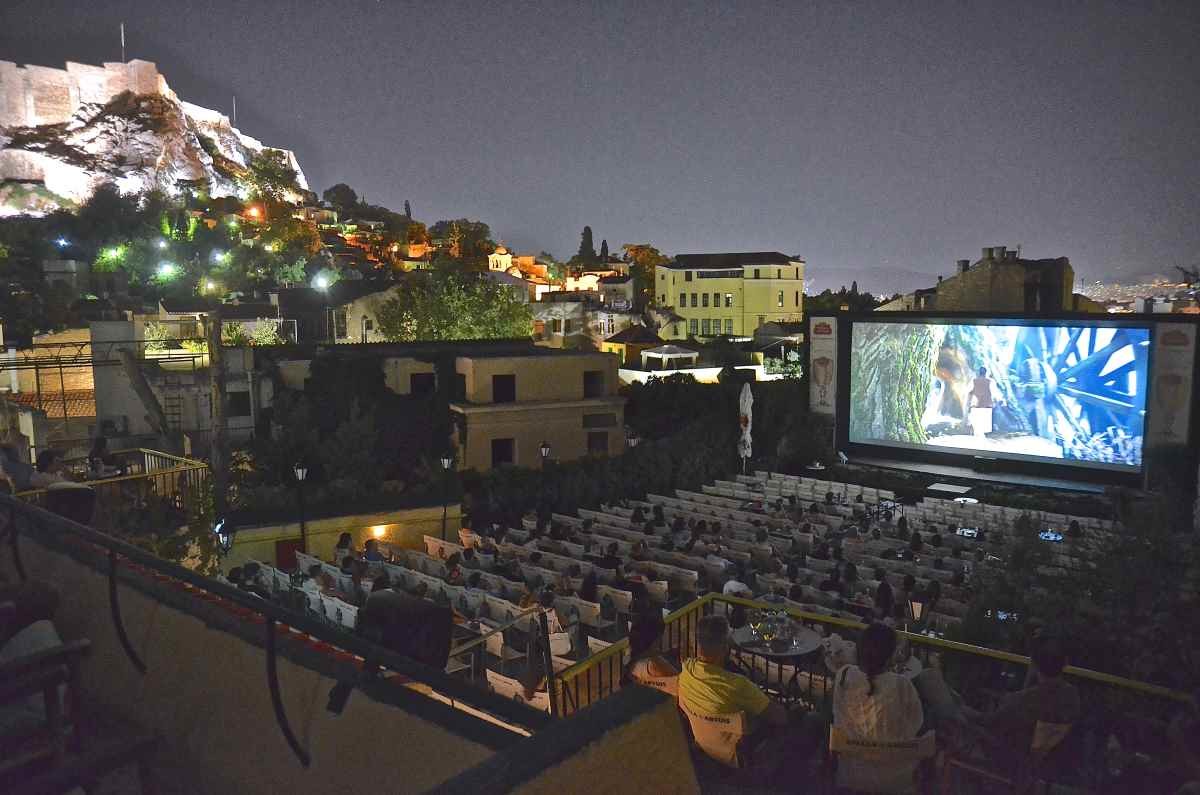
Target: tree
[270, 177]
[587, 251]
[407, 209]
[645, 259]
[604, 251]
[450, 305]
[341, 196]
[470, 241]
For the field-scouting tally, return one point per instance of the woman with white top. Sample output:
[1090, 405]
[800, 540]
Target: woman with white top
[871, 702]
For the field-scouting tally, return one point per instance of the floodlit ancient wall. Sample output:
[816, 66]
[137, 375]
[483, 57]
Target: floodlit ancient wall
[32, 95]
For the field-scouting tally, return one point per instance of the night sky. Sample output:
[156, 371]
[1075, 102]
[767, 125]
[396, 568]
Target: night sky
[858, 135]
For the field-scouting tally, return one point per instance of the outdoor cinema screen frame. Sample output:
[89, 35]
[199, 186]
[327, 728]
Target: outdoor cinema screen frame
[1038, 393]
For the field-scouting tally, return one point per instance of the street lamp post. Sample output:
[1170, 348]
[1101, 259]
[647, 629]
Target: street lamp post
[544, 450]
[301, 472]
[447, 462]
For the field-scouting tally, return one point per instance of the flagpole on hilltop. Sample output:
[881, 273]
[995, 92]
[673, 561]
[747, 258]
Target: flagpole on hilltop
[122, 42]
[235, 110]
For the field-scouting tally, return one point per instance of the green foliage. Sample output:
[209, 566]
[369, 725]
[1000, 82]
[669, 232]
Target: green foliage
[270, 177]
[155, 336]
[341, 196]
[473, 239]
[789, 366]
[451, 306]
[830, 301]
[645, 260]
[587, 251]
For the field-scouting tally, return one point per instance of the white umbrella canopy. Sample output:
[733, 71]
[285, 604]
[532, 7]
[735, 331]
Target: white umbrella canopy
[746, 420]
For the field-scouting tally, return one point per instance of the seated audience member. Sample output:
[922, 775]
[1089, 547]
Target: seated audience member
[851, 585]
[344, 548]
[454, 571]
[871, 702]
[102, 463]
[470, 560]
[736, 585]
[885, 599]
[587, 589]
[648, 528]
[347, 566]
[640, 552]
[902, 528]
[1047, 697]
[833, 582]
[371, 552]
[915, 542]
[645, 661]
[638, 517]
[796, 593]
[705, 684]
[612, 557]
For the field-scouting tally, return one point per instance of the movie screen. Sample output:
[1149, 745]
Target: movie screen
[1073, 394]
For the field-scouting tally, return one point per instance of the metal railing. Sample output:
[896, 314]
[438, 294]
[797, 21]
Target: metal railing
[970, 669]
[159, 490]
[132, 566]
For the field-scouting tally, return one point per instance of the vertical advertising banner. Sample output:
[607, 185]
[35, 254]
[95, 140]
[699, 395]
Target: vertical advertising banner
[822, 364]
[1171, 384]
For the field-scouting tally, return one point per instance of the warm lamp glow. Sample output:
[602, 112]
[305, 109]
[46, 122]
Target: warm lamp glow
[253, 212]
[379, 530]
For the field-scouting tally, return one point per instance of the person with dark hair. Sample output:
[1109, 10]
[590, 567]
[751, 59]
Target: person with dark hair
[736, 585]
[645, 662]
[1074, 530]
[829, 498]
[902, 528]
[640, 552]
[383, 582]
[343, 549]
[833, 582]
[371, 552]
[587, 589]
[915, 542]
[1046, 698]
[612, 557]
[869, 701]
[796, 592]
[885, 599]
[638, 517]
[648, 528]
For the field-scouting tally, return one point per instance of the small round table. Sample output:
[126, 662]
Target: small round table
[804, 643]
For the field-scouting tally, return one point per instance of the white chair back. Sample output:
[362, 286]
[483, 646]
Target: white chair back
[510, 688]
[717, 735]
[879, 766]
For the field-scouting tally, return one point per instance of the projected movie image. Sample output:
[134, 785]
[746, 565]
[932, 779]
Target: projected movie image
[1076, 394]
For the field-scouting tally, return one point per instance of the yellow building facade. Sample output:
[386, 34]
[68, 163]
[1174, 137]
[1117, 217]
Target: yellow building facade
[511, 405]
[729, 294]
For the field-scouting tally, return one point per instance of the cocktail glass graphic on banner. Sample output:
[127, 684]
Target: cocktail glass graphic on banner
[1169, 395]
[822, 377]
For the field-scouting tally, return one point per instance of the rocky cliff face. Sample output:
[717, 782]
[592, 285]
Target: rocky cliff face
[137, 141]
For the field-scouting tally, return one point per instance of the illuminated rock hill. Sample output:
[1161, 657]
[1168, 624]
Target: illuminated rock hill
[65, 131]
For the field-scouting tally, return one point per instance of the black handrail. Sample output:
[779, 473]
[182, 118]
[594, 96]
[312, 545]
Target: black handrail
[118, 623]
[277, 700]
[505, 709]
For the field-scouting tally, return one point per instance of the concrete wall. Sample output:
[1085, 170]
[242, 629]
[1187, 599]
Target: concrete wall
[560, 425]
[206, 694]
[539, 378]
[404, 528]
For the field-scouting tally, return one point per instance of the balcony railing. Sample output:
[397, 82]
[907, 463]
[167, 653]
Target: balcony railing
[156, 487]
[977, 672]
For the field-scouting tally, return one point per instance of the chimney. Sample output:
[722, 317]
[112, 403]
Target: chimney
[1011, 255]
[997, 252]
[963, 265]
[987, 252]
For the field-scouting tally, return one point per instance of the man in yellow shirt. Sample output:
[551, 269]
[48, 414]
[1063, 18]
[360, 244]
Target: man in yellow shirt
[706, 686]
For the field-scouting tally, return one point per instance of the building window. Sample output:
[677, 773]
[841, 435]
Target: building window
[599, 420]
[716, 299]
[460, 386]
[729, 325]
[593, 383]
[662, 299]
[339, 321]
[504, 389]
[683, 299]
[369, 324]
[705, 327]
[704, 299]
[597, 443]
[797, 298]
[756, 273]
[556, 325]
[728, 300]
[695, 302]
[568, 326]
[779, 299]
[797, 273]
[503, 452]
[539, 329]
[687, 276]
[779, 273]
[610, 324]
[238, 404]
[422, 383]
[693, 327]
[761, 319]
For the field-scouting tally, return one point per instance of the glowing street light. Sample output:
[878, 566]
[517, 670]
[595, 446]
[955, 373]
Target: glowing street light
[210, 285]
[166, 270]
[62, 242]
[162, 243]
[322, 282]
[219, 256]
[254, 212]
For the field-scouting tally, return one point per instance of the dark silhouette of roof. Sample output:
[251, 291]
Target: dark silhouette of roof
[733, 259]
[635, 335]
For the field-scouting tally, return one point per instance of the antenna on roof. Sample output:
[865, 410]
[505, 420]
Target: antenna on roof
[122, 42]
[235, 110]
